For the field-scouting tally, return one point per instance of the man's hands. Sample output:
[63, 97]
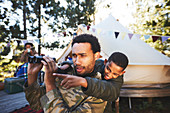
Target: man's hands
[70, 81]
[32, 71]
[50, 68]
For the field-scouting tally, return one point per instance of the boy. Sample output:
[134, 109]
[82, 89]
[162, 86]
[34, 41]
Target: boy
[115, 66]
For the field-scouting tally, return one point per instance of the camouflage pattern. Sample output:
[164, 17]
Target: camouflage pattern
[33, 94]
[61, 100]
[66, 100]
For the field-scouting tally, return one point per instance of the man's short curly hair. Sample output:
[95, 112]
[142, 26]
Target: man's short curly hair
[87, 38]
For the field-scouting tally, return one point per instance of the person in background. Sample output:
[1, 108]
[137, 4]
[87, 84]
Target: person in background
[29, 50]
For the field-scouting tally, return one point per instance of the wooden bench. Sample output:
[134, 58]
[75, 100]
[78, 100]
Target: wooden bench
[145, 91]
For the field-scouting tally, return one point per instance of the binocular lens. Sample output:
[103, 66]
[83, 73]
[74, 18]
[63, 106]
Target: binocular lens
[36, 59]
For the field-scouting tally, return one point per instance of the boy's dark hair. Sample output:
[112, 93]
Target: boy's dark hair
[83, 38]
[119, 59]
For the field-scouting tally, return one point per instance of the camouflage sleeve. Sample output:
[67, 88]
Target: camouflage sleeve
[52, 101]
[107, 90]
[33, 94]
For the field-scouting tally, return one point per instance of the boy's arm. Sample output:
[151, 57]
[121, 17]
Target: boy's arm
[108, 90]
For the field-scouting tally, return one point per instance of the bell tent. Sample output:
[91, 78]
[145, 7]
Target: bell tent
[147, 66]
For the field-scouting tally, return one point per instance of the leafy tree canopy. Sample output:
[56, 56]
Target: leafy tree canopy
[38, 18]
[152, 18]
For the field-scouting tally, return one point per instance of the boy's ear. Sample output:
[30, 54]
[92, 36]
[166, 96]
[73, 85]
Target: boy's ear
[122, 73]
[97, 55]
[105, 61]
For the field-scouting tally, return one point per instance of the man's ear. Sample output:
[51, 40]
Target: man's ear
[97, 55]
[105, 61]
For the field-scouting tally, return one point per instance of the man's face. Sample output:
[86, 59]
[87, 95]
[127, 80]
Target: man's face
[28, 46]
[83, 58]
[112, 71]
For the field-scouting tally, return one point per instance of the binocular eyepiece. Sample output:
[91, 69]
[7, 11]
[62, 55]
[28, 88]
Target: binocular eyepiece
[36, 59]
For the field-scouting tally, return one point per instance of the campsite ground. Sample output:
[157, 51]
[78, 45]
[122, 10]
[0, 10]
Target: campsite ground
[142, 105]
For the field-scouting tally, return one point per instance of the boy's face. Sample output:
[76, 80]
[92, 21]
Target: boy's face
[112, 70]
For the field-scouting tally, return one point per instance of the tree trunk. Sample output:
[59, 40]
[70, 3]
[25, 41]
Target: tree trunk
[39, 28]
[24, 19]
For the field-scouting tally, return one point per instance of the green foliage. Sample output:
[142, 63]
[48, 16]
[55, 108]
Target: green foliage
[159, 105]
[75, 13]
[8, 28]
[78, 12]
[51, 45]
[9, 64]
[52, 13]
[5, 51]
[152, 18]
[159, 45]
[36, 13]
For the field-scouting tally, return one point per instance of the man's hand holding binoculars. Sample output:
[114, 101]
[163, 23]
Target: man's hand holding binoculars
[35, 65]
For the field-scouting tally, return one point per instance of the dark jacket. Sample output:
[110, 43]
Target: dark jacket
[107, 90]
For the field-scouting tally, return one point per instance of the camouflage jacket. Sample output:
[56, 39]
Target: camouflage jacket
[64, 100]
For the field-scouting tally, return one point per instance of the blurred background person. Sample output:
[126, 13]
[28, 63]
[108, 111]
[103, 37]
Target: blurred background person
[29, 50]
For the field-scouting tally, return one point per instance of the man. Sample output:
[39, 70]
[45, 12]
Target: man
[85, 50]
[29, 50]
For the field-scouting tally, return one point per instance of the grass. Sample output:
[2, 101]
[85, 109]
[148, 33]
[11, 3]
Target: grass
[142, 105]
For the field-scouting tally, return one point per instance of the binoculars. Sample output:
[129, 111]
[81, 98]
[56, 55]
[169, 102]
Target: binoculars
[36, 59]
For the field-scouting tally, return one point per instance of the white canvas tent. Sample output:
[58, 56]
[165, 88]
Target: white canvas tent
[147, 65]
